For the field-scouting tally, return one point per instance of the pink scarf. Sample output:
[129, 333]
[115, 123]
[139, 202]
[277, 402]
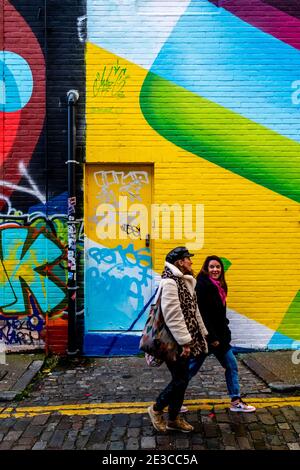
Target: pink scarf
[220, 290]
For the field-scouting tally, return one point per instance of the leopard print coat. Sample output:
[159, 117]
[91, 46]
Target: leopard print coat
[189, 307]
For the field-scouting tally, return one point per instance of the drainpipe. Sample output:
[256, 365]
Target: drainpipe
[73, 350]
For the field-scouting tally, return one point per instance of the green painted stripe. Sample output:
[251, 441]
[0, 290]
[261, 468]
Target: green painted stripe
[222, 136]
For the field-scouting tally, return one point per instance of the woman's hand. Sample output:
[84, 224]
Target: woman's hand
[215, 344]
[186, 351]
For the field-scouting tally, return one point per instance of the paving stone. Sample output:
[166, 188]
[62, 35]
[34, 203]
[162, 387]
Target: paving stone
[296, 426]
[19, 448]
[289, 436]
[116, 446]
[266, 418]
[133, 432]
[280, 418]
[39, 445]
[250, 418]
[230, 431]
[182, 443]
[222, 418]
[46, 435]
[7, 423]
[100, 446]
[6, 445]
[81, 442]
[274, 440]
[27, 441]
[21, 424]
[68, 445]
[228, 439]
[210, 430]
[197, 439]
[293, 445]
[239, 429]
[289, 414]
[243, 443]
[283, 426]
[132, 444]
[13, 435]
[120, 420]
[212, 444]
[281, 447]
[257, 436]
[163, 441]
[40, 420]
[57, 439]
[260, 445]
[33, 431]
[98, 436]
[51, 427]
[117, 434]
[148, 442]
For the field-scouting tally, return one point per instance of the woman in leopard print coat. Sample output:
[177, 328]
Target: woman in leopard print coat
[182, 317]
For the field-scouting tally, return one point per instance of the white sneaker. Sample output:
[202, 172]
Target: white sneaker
[184, 409]
[240, 405]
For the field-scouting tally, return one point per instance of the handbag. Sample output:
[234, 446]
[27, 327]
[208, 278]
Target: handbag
[153, 361]
[157, 340]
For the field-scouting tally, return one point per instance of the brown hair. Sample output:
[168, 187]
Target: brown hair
[204, 270]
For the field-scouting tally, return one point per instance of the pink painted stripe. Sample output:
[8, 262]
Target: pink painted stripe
[282, 26]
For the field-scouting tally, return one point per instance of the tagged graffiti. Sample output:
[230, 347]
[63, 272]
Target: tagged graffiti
[111, 82]
[132, 230]
[28, 260]
[127, 184]
[26, 331]
[118, 281]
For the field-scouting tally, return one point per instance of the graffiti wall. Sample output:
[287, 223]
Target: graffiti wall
[33, 144]
[208, 93]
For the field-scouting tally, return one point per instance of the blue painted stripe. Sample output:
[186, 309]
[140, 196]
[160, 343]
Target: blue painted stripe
[234, 64]
[97, 344]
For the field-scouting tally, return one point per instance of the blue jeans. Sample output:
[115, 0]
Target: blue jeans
[228, 362]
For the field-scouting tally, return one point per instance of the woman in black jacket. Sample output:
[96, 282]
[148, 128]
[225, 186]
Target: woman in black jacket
[211, 290]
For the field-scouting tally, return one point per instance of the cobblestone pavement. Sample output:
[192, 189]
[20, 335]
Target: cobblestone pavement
[91, 388]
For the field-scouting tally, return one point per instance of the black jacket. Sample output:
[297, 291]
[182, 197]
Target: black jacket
[213, 313]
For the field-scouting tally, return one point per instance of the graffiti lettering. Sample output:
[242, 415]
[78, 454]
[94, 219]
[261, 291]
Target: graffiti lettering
[71, 206]
[24, 331]
[32, 190]
[112, 81]
[129, 184]
[133, 230]
[120, 280]
[81, 28]
[27, 259]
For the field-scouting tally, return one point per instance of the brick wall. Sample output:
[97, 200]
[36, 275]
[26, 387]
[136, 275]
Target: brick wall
[206, 94]
[44, 59]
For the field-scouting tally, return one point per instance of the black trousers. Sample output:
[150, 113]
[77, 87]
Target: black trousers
[173, 395]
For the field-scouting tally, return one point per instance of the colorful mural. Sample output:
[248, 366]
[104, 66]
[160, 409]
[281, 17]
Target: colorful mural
[33, 200]
[118, 264]
[207, 93]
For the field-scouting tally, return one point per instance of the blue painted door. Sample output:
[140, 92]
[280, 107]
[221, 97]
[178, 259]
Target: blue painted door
[118, 264]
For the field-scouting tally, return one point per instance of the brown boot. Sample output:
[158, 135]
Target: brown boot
[179, 424]
[157, 419]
